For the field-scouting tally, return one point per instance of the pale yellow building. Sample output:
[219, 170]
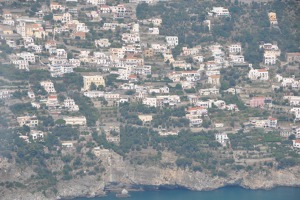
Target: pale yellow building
[145, 118]
[96, 79]
[272, 18]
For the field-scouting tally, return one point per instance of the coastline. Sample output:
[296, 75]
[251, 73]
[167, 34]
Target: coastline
[225, 193]
[145, 188]
[145, 178]
[133, 188]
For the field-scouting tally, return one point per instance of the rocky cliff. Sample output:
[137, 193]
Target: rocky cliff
[125, 175]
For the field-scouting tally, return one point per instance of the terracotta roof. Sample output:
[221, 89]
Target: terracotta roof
[132, 76]
[262, 70]
[104, 6]
[272, 118]
[52, 42]
[293, 54]
[80, 34]
[297, 141]
[6, 12]
[215, 76]
[34, 25]
[52, 97]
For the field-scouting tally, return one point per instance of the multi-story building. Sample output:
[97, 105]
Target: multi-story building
[152, 102]
[5, 94]
[190, 51]
[235, 48]
[293, 57]
[26, 56]
[48, 86]
[55, 6]
[214, 80]
[270, 58]
[153, 31]
[96, 79]
[237, 59]
[172, 41]
[296, 143]
[293, 100]
[222, 138]
[272, 18]
[102, 43]
[30, 121]
[259, 74]
[37, 135]
[260, 102]
[70, 104]
[52, 101]
[194, 115]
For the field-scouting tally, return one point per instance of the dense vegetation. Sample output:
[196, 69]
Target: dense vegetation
[248, 24]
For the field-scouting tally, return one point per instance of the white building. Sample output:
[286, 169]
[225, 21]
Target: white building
[270, 59]
[222, 138]
[70, 104]
[61, 53]
[48, 86]
[220, 11]
[172, 41]
[66, 144]
[296, 112]
[259, 74]
[102, 43]
[37, 135]
[52, 101]
[153, 31]
[235, 48]
[152, 102]
[30, 121]
[293, 100]
[75, 120]
[167, 133]
[29, 57]
[194, 115]
[209, 91]
[296, 143]
[96, 2]
[237, 59]
[5, 94]
[94, 94]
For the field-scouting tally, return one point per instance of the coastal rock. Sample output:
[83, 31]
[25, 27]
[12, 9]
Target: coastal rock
[87, 186]
[125, 175]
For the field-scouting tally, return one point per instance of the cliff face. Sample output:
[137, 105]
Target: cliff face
[201, 181]
[126, 175]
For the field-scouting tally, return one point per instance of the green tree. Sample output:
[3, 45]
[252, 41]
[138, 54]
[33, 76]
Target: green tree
[60, 122]
[93, 86]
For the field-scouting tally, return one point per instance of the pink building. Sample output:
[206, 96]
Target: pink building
[257, 102]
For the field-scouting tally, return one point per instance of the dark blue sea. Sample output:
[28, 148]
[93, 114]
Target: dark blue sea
[226, 193]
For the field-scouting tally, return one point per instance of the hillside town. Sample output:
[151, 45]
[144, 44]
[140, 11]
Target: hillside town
[102, 68]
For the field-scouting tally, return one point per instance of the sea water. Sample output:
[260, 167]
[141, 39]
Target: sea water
[226, 193]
